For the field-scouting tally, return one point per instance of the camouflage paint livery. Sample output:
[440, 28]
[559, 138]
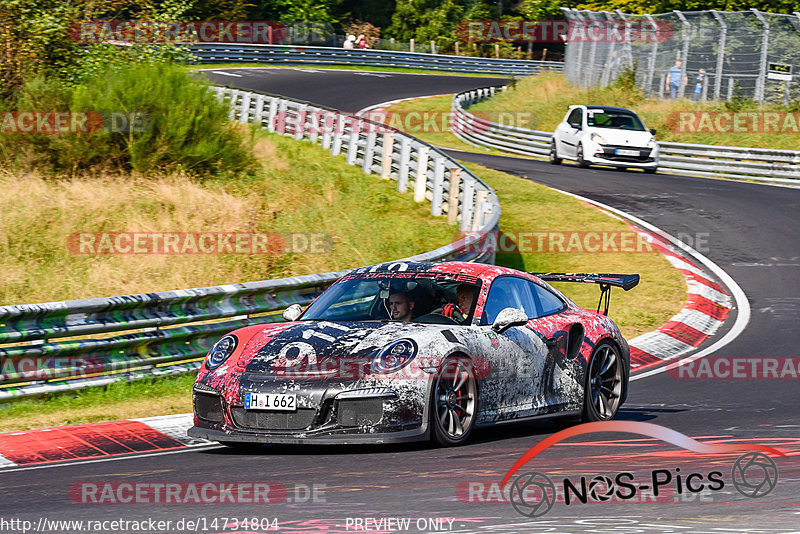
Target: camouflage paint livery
[522, 373]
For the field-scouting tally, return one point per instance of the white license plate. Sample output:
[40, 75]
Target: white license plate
[626, 152]
[280, 402]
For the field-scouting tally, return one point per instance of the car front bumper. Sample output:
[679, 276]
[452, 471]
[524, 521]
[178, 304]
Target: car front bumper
[646, 158]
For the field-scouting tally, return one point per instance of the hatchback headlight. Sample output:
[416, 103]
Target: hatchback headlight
[597, 138]
[651, 143]
[221, 351]
[394, 356]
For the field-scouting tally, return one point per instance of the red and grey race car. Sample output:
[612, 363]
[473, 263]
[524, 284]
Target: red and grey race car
[413, 351]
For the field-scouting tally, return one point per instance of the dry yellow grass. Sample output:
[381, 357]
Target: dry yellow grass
[300, 189]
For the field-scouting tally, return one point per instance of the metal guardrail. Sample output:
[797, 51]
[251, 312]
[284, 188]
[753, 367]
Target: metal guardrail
[761, 164]
[55, 346]
[320, 55]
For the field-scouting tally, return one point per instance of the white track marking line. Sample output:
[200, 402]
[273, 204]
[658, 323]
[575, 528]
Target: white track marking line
[227, 73]
[742, 304]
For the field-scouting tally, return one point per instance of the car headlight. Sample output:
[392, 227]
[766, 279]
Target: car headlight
[221, 351]
[394, 356]
[597, 138]
[651, 143]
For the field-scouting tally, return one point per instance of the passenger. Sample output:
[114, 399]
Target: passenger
[401, 306]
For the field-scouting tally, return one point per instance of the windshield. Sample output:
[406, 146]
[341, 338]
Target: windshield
[619, 120]
[424, 297]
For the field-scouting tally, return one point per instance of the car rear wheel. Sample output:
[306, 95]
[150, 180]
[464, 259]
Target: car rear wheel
[553, 155]
[579, 157]
[604, 383]
[454, 402]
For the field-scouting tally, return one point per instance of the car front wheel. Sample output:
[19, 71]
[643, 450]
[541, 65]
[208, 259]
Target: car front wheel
[604, 383]
[553, 155]
[454, 403]
[579, 157]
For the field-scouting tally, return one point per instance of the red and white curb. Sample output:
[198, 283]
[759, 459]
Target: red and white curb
[97, 440]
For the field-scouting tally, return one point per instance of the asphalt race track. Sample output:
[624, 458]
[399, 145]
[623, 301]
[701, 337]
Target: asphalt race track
[750, 231]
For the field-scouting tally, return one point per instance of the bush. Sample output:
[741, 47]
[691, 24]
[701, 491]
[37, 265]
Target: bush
[184, 128]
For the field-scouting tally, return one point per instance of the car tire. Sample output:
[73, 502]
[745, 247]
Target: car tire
[579, 157]
[454, 402]
[553, 154]
[651, 171]
[605, 386]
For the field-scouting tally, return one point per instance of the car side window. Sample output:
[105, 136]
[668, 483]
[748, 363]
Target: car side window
[575, 118]
[508, 292]
[546, 301]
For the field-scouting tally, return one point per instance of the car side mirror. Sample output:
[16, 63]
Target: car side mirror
[291, 313]
[507, 318]
[653, 131]
[575, 125]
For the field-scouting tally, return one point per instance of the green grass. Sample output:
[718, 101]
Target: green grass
[548, 96]
[217, 66]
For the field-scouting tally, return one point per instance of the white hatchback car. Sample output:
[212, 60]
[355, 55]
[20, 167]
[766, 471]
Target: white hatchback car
[604, 135]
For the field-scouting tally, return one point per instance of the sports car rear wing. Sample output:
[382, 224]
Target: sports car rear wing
[606, 282]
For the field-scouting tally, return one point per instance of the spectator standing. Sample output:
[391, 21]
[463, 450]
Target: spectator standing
[674, 76]
[361, 42]
[349, 42]
[698, 85]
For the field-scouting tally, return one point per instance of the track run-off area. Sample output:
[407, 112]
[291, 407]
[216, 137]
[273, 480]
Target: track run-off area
[751, 235]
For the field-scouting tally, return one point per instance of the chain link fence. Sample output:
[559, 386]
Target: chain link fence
[724, 55]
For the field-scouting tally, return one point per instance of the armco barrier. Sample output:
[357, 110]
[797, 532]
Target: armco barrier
[762, 164]
[321, 55]
[55, 346]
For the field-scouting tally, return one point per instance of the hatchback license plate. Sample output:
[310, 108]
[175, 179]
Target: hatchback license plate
[626, 152]
[280, 402]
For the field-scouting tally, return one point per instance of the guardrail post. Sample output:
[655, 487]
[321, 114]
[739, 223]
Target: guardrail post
[280, 120]
[411, 45]
[300, 122]
[234, 94]
[454, 189]
[244, 110]
[388, 151]
[438, 186]
[480, 202]
[467, 202]
[273, 111]
[369, 151]
[338, 133]
[405, 163]
[328, 127]
[259, 113]
[421, 178]
[352, 143]
[314, 123]
[730, 88]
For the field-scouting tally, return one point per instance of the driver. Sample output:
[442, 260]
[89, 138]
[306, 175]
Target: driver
[465, 296]
[401, 306]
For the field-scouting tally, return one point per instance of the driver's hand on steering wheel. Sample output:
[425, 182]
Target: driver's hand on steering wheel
[453, 312]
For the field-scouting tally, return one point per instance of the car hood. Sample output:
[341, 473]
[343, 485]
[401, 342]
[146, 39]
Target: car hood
[623, 137]
[315, 343]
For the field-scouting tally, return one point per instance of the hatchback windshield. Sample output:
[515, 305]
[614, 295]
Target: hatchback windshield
[619, 120]
[422, 297]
